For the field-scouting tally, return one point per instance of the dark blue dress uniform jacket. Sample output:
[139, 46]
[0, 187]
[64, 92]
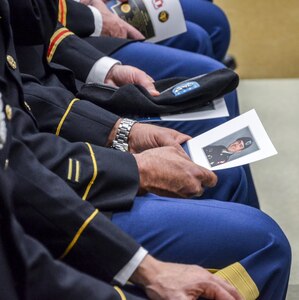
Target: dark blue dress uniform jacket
[71, 228]
[109, 179]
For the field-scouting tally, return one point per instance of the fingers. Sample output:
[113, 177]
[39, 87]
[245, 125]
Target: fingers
[133, 33]
[119, 31]
[182, 138]
[146, 81]
[228, 287]
[220, 293]
[208, 178]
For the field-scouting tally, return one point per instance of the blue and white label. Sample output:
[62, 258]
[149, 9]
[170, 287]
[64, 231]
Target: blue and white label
[185, 87]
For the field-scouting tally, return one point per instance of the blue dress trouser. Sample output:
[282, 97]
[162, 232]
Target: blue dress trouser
[207, 25]
[239, 243]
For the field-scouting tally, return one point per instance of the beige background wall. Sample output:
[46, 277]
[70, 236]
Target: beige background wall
[265, 37]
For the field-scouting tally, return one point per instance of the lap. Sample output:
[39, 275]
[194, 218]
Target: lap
[162, 62]
[210, 233]
[195, 39]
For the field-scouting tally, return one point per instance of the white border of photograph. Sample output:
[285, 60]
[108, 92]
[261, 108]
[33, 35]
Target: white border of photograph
[219, 111]
[247, 120]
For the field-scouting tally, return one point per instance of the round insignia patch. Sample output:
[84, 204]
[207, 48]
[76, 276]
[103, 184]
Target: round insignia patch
[185, 87]
[163, 16]
[3, 129]
[125, 8]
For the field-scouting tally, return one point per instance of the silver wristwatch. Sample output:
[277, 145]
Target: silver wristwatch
[122, 135]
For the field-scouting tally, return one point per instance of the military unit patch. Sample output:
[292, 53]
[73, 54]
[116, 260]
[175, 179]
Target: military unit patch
[185, 87]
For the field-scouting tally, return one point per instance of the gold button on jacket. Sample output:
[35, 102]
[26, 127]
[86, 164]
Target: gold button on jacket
[8, 112]
[12, 63]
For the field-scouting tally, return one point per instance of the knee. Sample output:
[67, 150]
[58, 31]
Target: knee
[273, 243]
[199, 40]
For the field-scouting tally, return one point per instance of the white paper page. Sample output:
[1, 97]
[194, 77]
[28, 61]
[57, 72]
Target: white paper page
[216, 109]
[212, 149]
[175, 23]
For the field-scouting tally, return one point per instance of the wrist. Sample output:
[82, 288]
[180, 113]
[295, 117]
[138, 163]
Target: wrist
[146, 271]
[86, 2]
[110, 75]
[136, 138]
[112, 134]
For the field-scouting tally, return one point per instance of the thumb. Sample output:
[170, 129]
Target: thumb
[182, 138]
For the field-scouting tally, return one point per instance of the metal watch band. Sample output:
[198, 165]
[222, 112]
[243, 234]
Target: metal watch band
[122, 135]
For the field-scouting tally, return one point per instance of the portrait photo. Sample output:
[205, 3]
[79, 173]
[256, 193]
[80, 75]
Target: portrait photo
[240, 141]
[233, 146]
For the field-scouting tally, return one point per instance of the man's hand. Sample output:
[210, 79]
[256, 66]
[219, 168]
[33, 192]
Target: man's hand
[113, 25]
[169, 281]
[168, 171]
[145, 136]
[123, 74]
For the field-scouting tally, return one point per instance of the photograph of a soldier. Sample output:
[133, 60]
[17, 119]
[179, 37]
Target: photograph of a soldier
[231, 147]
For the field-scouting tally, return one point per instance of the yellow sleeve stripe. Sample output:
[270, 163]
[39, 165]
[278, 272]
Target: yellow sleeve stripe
[237, 276]
[65, 115]
[95, 172]
[62, 12]
[56, 39]
[121, 293]
[70, 170]
[78, 234]
[77, 171]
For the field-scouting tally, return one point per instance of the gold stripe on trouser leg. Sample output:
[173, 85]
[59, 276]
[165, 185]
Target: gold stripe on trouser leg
[237, 276]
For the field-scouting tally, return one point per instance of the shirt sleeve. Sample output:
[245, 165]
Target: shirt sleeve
[100, 69]
[126, 272]
[98, 21]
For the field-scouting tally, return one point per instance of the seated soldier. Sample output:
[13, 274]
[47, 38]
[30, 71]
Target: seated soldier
[55, 107]
[219, 154]
[208, 30]
[75, 231]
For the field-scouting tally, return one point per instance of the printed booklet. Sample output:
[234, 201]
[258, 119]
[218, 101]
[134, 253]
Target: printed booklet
[157, 20]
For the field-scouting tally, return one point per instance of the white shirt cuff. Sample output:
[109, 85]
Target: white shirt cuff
[100, 69]
[126, 272]
[98, 21]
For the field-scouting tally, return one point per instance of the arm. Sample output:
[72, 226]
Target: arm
[83, 126]
[177, 281]
[47, 278]
[70, 227]
[91, 65]
[112, 25]
[40, 21]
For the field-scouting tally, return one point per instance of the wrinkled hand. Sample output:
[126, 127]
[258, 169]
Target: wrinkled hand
[113, 25]
[169, 281]
[123, 74]
[168, 171]
[146, 136]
